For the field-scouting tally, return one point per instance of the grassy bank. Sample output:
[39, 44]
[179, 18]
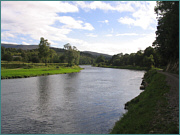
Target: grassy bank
[124, 67]
[148, 112]
[19, 70]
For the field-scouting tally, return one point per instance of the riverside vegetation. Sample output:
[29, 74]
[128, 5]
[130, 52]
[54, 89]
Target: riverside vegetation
[22, 70]
[152, 111]
[19, 68]
[149, 112]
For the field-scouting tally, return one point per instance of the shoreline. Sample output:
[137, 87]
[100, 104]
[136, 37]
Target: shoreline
[125, 67]
[149, 112]
[33, 72]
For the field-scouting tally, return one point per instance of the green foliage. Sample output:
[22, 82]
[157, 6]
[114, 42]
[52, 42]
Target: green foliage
[100, 59]
[148, 112]
[27, 70]
[147, 58]
[167, 34]
[72, 55]
[43, 49]
[7, 57]
[17, 59]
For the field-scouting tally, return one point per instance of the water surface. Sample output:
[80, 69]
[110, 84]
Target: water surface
[89, 102]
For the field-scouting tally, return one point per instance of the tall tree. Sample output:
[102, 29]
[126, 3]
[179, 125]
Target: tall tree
[72, 54]
[44, 50]
[167, 34]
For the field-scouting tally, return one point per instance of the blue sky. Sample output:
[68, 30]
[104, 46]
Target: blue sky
[109, 27]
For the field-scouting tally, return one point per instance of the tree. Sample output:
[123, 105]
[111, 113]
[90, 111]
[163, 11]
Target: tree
[100, 59]
[72, 54]
[3, 50]
[148, 61]
[7, 56]
[167, 34]
[44, 50]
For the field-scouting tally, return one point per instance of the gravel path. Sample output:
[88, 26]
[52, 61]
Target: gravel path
[173, 95]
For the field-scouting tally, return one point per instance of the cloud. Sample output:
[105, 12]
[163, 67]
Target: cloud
[109, 35]
[130, 46]
[95, 5]
[119, 6]
[143, 17]
[24, 43]
[36, 19]
[7, 34]
[105, 21]
[91, 35]
[6, 42]
[127, 34]
[75, 24]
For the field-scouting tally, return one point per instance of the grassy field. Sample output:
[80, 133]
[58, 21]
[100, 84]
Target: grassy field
[148, 112]
[22, 70]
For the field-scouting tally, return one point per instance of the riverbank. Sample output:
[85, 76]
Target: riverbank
[123, 67]
[150, 111]
[30, 70]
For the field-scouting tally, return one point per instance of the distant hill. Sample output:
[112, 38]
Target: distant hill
[23, 47]
[58, 50]
[96, 54]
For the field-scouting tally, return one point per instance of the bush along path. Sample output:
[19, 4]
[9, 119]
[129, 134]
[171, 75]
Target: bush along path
[155, 110]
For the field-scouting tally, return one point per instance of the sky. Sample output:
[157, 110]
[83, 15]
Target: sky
[109, 27]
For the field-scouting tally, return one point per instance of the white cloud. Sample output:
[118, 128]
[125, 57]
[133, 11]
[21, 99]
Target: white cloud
[144, 41]
[91, 35]
[124, 6]
[75, 24]
[94, 5]
[24, 43]
[6, 42]
[119, 6]
[105, 21]
[143, 17]
[127, 34]
[130, 46]
[36, 19]
[109, 35]
[7, 34]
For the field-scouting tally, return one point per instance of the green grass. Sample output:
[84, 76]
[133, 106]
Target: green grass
[28, 70]
[148, 112]
[127, 67]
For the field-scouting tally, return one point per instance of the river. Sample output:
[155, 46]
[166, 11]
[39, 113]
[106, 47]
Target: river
[88, 102]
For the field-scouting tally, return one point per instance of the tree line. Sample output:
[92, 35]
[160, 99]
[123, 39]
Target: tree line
[164, 51]
[167, 34]
[147, 58]
[43, 54]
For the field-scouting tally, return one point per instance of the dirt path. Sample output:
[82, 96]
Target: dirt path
[173, 95]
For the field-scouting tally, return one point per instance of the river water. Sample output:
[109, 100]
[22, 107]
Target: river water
[89, 102]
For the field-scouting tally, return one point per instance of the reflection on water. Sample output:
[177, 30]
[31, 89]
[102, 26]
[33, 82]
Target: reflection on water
[44, 93]
[87, 102]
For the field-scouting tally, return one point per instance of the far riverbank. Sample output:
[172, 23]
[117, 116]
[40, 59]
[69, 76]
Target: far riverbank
[9, 71]
[124, 67]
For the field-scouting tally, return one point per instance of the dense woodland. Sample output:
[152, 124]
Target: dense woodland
[164, 51]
